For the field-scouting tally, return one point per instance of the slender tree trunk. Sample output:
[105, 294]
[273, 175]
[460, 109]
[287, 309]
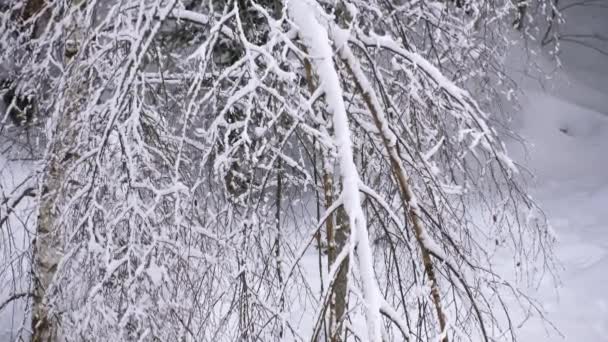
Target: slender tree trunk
[47, 245]
[47, 250]
[318, 235]
[336, 236]
[279, 239]
[331, 244]
[399, 172]
[46, 256]
[340, 290]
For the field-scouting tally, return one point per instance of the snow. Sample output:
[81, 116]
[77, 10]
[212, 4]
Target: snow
[316, 38]
[567, 129]
[568, 154]
[13, 238]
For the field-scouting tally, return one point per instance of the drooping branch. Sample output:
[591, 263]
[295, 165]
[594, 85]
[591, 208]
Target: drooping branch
[315, 37]
[400, 175]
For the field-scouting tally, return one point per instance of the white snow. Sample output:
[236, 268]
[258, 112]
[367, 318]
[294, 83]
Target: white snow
[315, 36]
[569, 155]
[14, 241]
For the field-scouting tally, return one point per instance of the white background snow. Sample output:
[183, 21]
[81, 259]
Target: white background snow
[566, 127]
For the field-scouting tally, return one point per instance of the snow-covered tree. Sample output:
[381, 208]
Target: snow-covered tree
[190, 154]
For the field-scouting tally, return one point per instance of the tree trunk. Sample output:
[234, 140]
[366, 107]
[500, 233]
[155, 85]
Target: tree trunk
[47, 252]
[48, 246]
[411, 204]
[340, 289]
[336, 236]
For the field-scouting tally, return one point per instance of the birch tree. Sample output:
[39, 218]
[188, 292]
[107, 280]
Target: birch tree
[195, 151]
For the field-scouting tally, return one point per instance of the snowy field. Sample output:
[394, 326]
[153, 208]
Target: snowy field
[569, 155]
[567, 131]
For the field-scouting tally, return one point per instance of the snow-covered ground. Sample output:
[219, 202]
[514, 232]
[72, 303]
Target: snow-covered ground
[13, 242]
[568, 153]
[567, 129]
